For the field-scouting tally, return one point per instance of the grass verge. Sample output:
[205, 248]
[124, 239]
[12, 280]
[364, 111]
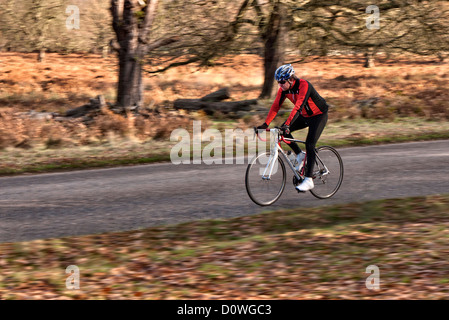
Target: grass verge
[42, 159]
[304, 253]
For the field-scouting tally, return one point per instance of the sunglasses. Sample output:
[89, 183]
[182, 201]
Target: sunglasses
[282, 81]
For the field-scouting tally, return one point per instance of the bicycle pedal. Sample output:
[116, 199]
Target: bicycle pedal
[299, 191]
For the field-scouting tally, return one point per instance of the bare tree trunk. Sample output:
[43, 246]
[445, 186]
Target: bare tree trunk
[369, 60]
[104, 52]
[132, 45]
[129, 81]
[273, 49]
[41, 55]
[130, 86]
[272, 60]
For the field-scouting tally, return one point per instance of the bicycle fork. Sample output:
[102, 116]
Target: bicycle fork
[270, 165]
[268, 171]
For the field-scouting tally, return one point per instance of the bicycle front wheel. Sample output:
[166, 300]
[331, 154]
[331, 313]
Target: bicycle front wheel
[327, 172]
[265, 179]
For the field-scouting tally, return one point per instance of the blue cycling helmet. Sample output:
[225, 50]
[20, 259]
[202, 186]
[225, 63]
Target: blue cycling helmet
[284, 72]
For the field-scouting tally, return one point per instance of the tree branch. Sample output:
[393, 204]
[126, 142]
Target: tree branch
[176, 64]
[161, 42]
[117, 16]
[234, 26]
[260, 15]
[150, 13]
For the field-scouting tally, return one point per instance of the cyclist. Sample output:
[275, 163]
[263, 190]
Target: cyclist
[310, 110]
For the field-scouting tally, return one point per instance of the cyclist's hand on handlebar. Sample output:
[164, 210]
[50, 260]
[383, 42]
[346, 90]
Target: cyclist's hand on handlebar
[261, 127]
[285, 129]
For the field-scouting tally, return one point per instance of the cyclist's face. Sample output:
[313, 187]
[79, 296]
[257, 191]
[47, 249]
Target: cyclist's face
[285, 86]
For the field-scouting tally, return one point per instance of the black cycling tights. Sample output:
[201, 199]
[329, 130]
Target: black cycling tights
[316, 125]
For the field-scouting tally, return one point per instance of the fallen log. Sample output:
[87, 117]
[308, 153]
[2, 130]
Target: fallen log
[189, 104]
[232, 106]
[95, 104]
[212, 107]
[218, 95]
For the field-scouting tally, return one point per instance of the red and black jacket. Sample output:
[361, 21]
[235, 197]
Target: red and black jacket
[302, 94]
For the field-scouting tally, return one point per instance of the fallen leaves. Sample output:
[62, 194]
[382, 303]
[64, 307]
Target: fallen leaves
[288, 254]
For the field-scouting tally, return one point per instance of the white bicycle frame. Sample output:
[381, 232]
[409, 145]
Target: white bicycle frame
[276, 150]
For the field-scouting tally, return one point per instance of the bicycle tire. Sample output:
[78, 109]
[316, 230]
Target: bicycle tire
[251, 176]
[320, 180]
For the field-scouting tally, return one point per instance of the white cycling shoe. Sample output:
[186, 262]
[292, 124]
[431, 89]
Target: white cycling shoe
[306, 185]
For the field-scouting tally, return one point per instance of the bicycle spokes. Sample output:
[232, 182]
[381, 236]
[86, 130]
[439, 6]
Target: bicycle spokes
[265, 180]
[328, 173]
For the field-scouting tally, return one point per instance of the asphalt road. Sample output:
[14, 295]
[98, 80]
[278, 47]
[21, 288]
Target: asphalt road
[96, 201]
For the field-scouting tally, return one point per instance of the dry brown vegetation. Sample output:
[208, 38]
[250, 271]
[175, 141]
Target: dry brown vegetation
[63, 83]
[67, 81]
[22, 132]
[396, 87]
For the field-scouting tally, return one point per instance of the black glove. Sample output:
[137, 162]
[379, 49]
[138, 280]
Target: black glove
[262, 127]
[285, 128]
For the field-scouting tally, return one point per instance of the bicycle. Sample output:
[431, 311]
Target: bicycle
[263, 176]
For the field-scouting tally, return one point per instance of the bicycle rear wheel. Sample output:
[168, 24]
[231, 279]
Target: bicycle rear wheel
[327, 172]
[262, 188]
